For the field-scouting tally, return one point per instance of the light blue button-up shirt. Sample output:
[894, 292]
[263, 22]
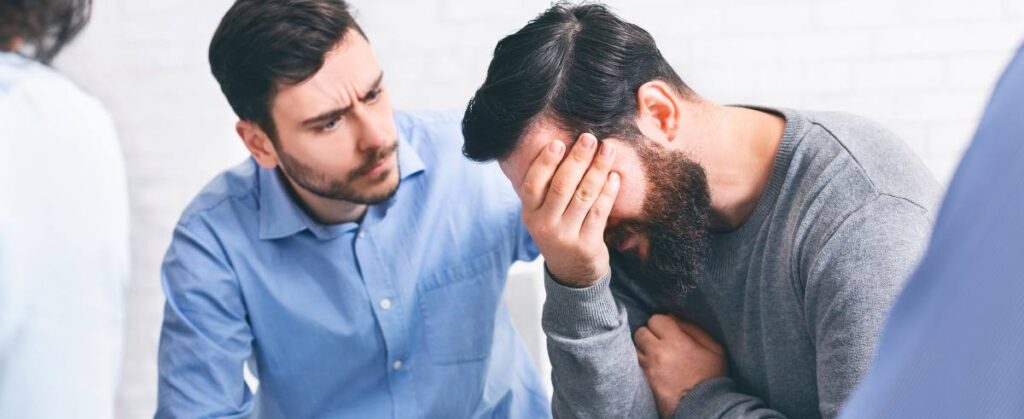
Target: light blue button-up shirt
[398, 316]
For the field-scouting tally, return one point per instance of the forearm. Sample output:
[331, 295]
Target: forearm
[595, 372]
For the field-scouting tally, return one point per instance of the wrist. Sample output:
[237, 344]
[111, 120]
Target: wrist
[578, 280]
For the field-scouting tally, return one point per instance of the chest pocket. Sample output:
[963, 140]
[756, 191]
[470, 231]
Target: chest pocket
[459, 305]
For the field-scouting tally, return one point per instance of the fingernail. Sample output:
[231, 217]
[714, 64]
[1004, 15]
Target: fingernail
[588, 141]
[613, 179]
[555, 147]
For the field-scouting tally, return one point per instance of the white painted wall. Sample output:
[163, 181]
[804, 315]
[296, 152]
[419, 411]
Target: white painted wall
[922, 67]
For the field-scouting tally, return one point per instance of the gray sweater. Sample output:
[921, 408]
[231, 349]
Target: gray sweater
[797, 295]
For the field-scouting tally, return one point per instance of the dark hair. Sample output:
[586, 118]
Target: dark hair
[579, 65]
[260, 44]
[46, 26]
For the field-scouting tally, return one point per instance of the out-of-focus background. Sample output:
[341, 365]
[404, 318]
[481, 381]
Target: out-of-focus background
[921, 67]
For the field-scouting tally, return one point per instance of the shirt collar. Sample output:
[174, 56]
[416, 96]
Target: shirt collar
[409, 162]
[281, 216]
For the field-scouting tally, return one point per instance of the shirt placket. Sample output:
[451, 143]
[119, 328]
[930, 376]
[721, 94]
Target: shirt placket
[389, 311]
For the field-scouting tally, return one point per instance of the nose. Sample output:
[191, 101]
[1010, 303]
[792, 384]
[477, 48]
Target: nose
[372, 133]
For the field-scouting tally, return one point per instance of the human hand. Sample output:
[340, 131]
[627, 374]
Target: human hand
[566, 206]
[676, 356]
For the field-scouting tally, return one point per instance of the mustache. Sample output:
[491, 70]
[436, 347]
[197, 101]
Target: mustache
[374, 157]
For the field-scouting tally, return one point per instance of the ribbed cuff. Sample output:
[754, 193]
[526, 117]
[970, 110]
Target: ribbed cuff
[579, 312]
[703, 400]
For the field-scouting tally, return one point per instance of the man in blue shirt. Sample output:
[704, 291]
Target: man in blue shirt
[952, 345]
[347, 294]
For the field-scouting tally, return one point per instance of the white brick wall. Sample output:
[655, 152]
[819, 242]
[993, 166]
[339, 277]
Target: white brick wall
[922, 67]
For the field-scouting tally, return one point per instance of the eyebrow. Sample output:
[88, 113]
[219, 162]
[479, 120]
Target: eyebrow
[338, 113]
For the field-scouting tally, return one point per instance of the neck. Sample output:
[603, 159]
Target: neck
[326, 211]
[738, 154]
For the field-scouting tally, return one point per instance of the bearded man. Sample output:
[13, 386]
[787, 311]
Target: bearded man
[769, 242]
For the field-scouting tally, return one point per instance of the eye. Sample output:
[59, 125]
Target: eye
[330, 126]
[372, 96]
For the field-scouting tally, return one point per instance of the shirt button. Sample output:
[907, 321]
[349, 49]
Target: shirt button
[362, 234]
[397, 365]
[385, 304]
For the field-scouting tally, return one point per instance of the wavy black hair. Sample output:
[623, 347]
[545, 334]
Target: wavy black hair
[580, 65]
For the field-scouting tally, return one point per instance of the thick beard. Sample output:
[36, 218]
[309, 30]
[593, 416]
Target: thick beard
[675, 223]
[341, 190]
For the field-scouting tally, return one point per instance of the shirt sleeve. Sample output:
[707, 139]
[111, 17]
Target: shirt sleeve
[205, 337]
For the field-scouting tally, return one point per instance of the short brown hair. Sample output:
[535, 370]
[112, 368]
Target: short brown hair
[261, 44]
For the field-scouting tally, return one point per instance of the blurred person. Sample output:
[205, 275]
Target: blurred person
[952, 345]
[356, 261]
[64, 253]
[777, 238]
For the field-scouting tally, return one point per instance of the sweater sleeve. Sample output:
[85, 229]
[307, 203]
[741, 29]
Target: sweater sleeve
[595, 371]
[850, 286]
